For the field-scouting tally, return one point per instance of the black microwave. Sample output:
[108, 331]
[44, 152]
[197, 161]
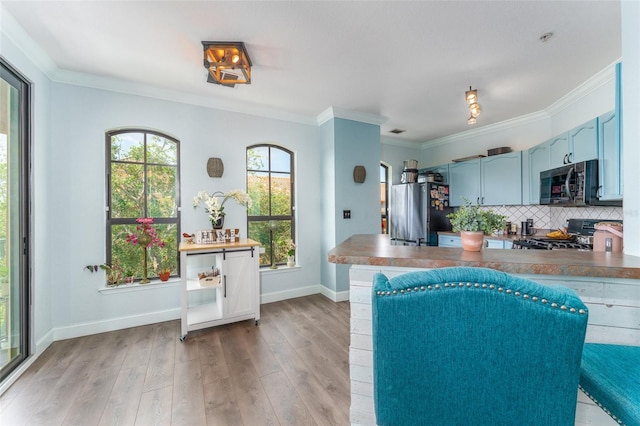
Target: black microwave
[572, 185]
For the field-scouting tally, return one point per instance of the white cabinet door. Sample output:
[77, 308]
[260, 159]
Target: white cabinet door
[239, 286]
[501, 177]
[464, 182]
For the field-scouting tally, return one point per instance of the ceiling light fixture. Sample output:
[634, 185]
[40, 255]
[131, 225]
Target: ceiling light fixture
[228, 62]
[471, 97]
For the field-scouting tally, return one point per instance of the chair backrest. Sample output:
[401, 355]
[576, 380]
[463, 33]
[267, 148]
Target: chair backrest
[474, 346]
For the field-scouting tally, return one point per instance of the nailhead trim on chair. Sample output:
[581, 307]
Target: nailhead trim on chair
[554, 305]
[605, 409]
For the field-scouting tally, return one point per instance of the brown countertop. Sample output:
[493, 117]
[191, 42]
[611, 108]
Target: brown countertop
[377, 250]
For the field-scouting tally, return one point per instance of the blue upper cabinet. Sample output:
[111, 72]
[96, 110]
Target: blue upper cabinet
[464, 182]
[538, 160]
[490, 181]
[558, 149]
[501, 179]
[609, 158]
[610, 148]
[578, 144]
[583, 142]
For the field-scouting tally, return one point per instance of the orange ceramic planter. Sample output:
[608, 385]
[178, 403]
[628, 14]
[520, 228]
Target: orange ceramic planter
[472, 241]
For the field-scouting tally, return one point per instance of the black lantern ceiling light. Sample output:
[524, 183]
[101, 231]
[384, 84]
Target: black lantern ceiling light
[471, 97]
[228, 62]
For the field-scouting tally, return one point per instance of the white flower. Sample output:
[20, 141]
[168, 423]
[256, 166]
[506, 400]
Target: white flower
[214, 207]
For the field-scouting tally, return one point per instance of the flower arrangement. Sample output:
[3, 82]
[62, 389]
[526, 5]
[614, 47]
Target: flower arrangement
[214, 203]
[292, 248]
[145, 234]
[146, 237]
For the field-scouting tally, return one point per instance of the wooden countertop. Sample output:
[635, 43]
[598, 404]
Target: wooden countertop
[242, 243]
[377, 250]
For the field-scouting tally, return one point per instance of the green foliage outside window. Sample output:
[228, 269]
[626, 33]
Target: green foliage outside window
[270, 186]
[143, 182]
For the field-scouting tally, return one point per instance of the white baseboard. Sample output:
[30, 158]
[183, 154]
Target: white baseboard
[95, 327]
[335, 296]
[305, 291]
[290, 294]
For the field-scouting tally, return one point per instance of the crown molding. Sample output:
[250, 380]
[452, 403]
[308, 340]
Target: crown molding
[602, 78]
[491, 128]
[149, 91]
[336, 112]
[10, 29]
[404, 143]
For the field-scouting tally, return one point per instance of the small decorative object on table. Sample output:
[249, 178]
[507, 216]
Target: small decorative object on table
[214, 207]
[146, 237]
[188, 238]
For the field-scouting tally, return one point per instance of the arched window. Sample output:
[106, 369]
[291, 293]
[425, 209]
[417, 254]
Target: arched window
[271, 218]
[142, 182]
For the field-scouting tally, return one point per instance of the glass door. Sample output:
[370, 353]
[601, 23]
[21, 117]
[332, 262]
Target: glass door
[14, 249]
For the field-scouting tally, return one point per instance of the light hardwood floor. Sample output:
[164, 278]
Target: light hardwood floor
[292, 369]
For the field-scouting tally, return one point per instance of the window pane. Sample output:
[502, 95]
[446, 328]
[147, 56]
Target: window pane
[258, 158]
[259, 231]
[258, 189]
[280, 194]
[161, 187]
[127, 147]
[280, 161]
[130, 256]
[127, 190]
[161, 150]
[281, 239]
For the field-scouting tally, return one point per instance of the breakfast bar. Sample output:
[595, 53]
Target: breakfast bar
[608, 283]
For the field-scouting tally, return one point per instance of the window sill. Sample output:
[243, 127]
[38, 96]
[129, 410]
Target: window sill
[281, 269]
[154, 284]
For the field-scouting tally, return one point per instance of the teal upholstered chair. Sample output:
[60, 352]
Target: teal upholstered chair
[474, 346]
[610, 376]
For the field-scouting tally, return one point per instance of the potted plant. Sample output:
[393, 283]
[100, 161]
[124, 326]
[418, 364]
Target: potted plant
[473, 224]
[113, 272]
[291, 253]
[128, 276]
[214, 204]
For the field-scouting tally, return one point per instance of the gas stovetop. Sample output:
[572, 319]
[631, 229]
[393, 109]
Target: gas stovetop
[549, 244]
[578, 229]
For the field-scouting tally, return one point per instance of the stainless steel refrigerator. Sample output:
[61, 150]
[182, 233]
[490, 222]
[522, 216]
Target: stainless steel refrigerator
[418, 213]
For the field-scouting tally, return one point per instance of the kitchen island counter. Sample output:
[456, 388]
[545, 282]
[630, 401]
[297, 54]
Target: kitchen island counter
[377, 250]
[608, 283]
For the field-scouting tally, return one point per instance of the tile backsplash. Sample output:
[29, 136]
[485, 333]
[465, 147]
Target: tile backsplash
[555, 217]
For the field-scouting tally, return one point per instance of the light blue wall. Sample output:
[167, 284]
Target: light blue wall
[327, 225]
[346, 144]
[43, 204]
[356, 144]
[394, 155]
[81, 116]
